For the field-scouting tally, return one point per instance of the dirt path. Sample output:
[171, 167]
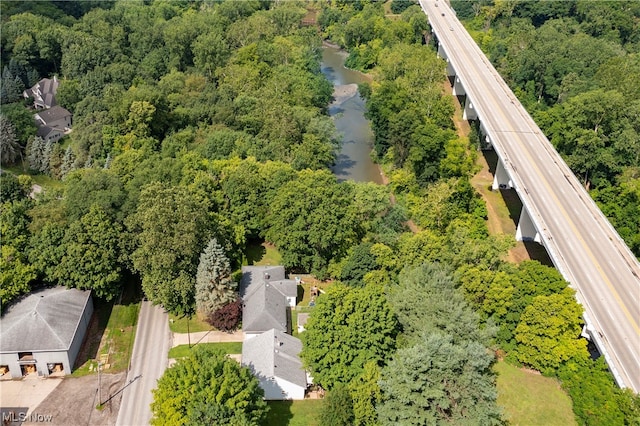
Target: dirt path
[498, 222]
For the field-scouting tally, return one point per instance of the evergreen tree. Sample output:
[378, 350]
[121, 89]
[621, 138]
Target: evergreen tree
[10, 87]
[38, 154]
[10, 148]
[33, 151]
[214, 286]
[46, 157]
[68, 162]
[107, 161]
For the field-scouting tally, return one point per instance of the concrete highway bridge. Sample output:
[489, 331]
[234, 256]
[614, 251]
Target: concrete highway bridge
[557, 211]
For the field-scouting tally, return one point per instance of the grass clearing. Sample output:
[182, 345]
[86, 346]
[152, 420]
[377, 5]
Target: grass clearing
[294, 413]
[262, 253]
[39, 179]
[528, 398]
[182, 324]
[182, 351]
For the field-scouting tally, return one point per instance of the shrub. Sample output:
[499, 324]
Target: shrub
[227, 317]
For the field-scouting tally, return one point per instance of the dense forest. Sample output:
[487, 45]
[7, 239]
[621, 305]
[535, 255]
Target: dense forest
[201, 126]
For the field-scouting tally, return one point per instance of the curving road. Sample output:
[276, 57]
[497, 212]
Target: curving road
[581, 242]
[148, 362]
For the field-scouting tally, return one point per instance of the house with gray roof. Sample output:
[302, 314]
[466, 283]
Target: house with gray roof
[264, 308]
[266, 296]
[52, 123]
[43, 332]
[256, 276]
[273, 358]
[43, 93]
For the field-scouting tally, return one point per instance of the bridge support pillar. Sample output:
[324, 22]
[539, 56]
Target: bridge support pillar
[501, 179]
[485, 139]
[458, 89]
[441, 52]
[526, 230]
[469, 111]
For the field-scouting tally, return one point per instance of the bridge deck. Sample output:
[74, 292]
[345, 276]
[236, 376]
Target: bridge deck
[581, 242]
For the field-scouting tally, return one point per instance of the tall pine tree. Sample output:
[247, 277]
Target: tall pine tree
[68, 162]
[214, 286]
[10, 148]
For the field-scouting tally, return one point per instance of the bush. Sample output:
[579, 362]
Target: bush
[227, 317]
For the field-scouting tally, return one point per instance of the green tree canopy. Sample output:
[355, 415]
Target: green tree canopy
[207, 387]
[310, 221]
[549, 332]
[91, 254]
[348, 328]
[171, 226]
[437, 381]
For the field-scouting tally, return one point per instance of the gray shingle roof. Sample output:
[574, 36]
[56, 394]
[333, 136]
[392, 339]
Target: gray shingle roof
[275, 354]
[264, 307]
[52, 114]
[44, 131]
[288, 288]
[256, 275]
[46, 320]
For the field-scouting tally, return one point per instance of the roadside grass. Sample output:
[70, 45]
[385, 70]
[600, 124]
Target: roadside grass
[195, 324]
[117, 329]
[293, 413]
[182, 351]
[528, 398]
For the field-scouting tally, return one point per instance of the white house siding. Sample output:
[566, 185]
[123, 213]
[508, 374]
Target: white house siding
[278, 389]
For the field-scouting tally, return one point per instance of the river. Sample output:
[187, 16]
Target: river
[354, 160]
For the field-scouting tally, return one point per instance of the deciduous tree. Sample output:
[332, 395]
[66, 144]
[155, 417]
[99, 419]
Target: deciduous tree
[549, 332]
[207, 376]
[348, 328]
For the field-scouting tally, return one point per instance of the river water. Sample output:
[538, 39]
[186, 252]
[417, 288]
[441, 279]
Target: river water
[354, 160]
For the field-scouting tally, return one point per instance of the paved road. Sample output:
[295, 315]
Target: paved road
[579, 239]
[148, 362]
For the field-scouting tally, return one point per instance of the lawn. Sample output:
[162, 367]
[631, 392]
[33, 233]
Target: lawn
[528, 398]
[293, 413]
[195, 324]
[182, 351]
[42, 180]
[262, 253]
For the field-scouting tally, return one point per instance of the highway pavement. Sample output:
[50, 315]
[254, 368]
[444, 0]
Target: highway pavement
[581, 242]
[148, 362]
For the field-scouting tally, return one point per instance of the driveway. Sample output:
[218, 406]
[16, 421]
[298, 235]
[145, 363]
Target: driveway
[27, 393]
[148, 362]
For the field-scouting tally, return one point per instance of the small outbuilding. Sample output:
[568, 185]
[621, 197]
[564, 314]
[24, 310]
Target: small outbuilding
[273, 357]
[43, 332]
